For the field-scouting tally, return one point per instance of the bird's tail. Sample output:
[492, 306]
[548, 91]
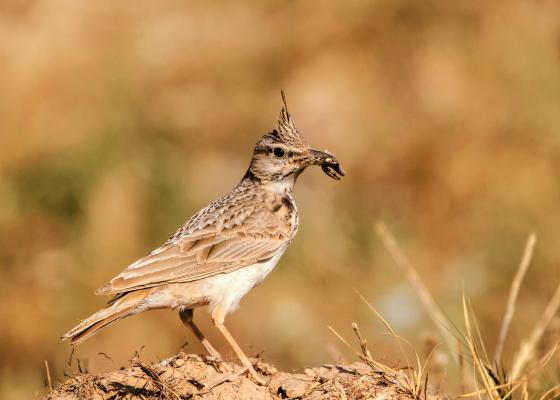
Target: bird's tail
[123, 306]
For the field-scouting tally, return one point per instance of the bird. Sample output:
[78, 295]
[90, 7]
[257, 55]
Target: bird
[225, 249]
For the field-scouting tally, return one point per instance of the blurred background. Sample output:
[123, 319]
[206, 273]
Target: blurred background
[119, 120]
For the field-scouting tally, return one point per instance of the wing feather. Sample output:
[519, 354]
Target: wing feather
[186, 262]
[235, 231]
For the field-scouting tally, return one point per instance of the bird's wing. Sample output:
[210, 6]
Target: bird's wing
[202, 254]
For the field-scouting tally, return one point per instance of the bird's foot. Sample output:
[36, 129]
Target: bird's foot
[256, 377]
[219, 364]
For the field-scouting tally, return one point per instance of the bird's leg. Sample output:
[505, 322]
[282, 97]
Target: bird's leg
[242, 357]
[186, 315]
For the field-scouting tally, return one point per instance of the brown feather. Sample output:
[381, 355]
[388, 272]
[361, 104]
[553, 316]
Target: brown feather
[197, 256]
[120, 308]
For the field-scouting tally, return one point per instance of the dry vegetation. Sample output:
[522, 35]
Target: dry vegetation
[120, 119]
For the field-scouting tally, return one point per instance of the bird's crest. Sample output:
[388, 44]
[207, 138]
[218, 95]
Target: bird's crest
[286, 127]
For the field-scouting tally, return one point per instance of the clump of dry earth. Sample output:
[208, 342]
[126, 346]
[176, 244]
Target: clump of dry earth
[188, 376]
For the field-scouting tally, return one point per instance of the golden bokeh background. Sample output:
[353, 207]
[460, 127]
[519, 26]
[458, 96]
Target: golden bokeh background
[119, 120]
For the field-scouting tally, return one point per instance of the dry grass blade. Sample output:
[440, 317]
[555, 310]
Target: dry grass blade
[416, 375]
[413, 277]
[479, 392]
[479, 343]
[528, 346]
[543, 362]
[524, 381]
[424, 372]
[396, 377]
[462, 370]
[389, 329]
[372, 363]
[362, 340]
[524, 391]
[49, 379]
[554, 392]
[514, 292]
[479, 366]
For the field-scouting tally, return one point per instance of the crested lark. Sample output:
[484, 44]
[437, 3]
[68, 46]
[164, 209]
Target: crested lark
[225, 249]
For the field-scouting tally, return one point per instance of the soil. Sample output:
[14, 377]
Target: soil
[188, 376]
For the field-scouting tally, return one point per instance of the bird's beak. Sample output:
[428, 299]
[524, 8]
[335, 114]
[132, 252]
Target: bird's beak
[328, 162]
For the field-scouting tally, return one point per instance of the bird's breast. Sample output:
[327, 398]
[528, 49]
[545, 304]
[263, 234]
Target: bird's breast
[285, 214]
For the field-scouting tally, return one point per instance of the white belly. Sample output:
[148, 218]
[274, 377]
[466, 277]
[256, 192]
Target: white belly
[222, 293]
[225, 291]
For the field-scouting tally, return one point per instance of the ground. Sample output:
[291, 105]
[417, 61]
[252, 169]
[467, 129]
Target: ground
[188, 376]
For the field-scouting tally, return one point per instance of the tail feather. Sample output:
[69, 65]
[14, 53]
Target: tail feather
[121, 308]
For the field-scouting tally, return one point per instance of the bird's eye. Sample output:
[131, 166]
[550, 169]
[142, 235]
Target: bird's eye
[279, 152]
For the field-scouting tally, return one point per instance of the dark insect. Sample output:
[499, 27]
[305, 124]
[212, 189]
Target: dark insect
[333, 170]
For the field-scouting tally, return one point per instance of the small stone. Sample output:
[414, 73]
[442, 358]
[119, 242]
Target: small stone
[326, 372]
[265, 368]
[294, 388]
[316, 395]
[309, 372]
[179, 362]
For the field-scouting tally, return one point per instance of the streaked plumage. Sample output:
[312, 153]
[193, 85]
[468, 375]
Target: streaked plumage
[225, 249]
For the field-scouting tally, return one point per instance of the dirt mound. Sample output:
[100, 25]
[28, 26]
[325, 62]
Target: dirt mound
[187, 376]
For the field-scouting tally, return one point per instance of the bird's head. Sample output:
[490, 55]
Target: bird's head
[283, 153]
